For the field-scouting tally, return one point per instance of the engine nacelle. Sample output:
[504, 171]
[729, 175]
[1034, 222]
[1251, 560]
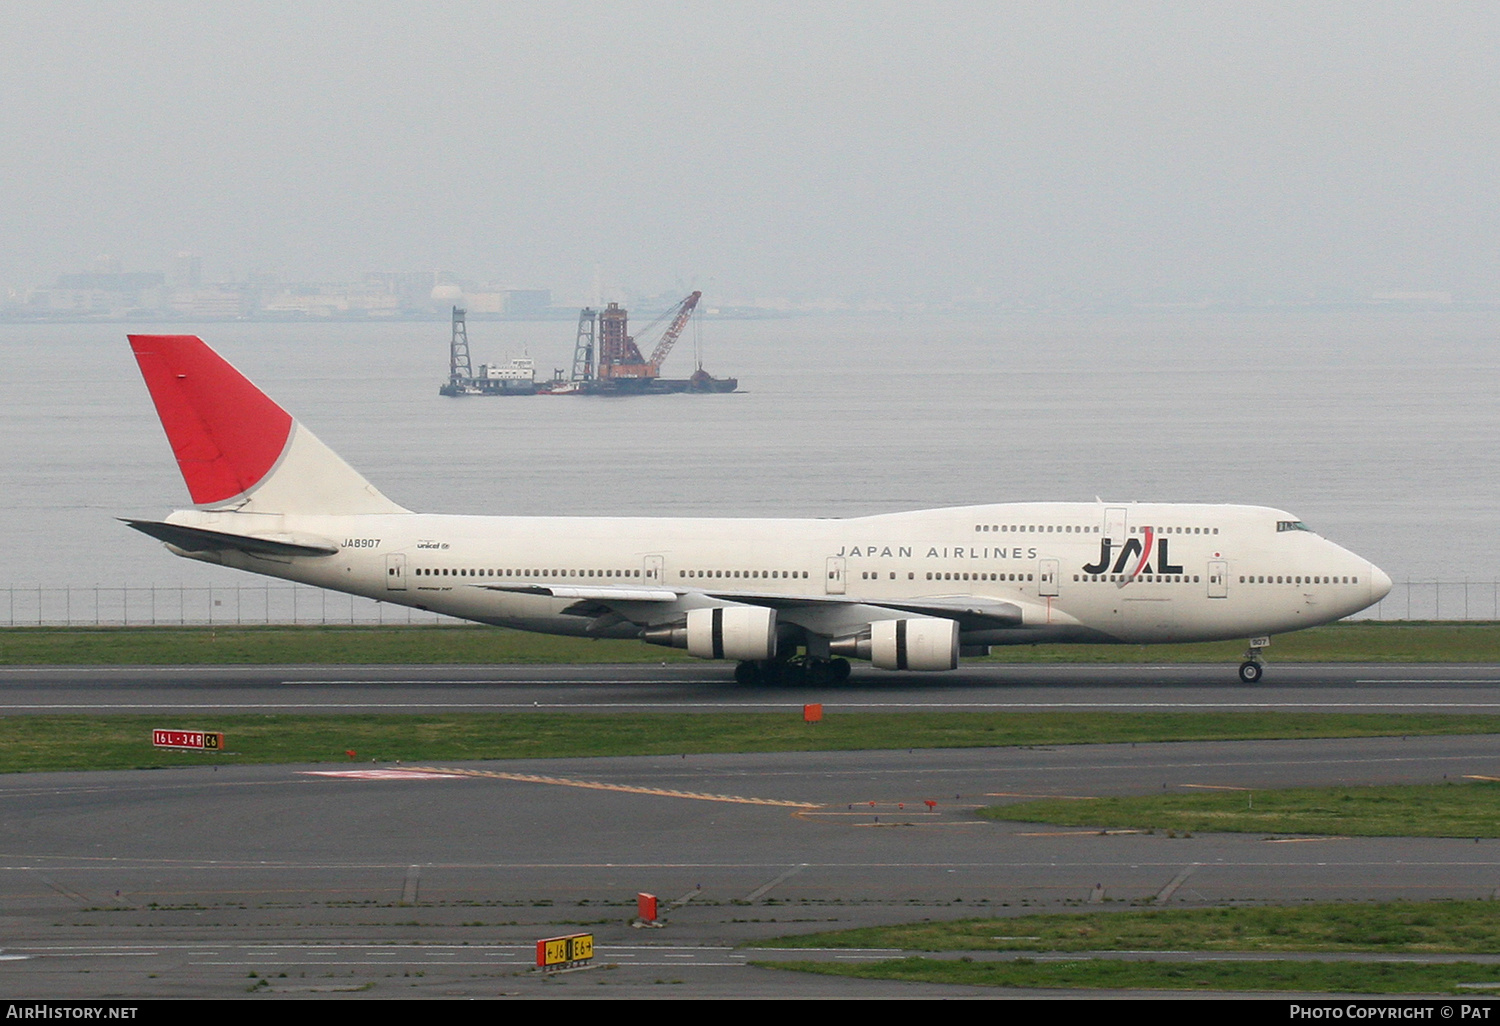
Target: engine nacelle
[915, 644]
[732, 632]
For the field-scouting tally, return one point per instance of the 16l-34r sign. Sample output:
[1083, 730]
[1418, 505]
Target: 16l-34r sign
[198, 740]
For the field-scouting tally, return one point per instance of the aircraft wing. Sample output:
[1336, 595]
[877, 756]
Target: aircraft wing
[605, 595]
[971, 612]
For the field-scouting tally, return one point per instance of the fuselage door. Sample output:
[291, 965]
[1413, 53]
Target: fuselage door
[1218, 578]
[1046, 577]
[1114, 524]
[651, 569]
[395, 572]
[834, 585]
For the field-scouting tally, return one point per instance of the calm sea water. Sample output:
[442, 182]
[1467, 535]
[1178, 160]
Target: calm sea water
[1377, 428]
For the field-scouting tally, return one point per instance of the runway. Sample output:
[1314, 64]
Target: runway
[385, 881]
[1343, 687]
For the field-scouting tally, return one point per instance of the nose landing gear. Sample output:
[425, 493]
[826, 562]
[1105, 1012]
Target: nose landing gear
[1252, 669]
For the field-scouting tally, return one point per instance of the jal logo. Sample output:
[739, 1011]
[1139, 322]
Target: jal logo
[1133, 555]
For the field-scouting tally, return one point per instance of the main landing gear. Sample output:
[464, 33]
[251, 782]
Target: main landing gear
[799, 669]
[1252, 669]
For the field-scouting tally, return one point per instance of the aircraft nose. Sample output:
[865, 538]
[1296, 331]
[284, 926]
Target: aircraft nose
[1380, 584]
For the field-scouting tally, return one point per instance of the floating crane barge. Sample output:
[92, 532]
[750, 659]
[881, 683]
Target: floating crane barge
[606, 361]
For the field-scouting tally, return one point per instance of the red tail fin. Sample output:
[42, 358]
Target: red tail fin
[225, 432]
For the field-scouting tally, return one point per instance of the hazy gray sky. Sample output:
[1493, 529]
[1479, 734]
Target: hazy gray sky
[763, 148]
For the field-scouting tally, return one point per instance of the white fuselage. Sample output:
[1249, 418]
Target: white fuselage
[1077, 571]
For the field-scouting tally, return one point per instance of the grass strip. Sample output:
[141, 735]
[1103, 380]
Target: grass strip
[53, 742]
[353, 645]
[1120, 974]
[1400, 810]
[1399, 927]
[1360, 641]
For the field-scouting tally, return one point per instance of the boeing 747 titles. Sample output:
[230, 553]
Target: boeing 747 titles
[790, 600]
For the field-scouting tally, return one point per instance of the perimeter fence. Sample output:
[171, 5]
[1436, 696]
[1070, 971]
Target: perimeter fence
[198, 605]
[1437, 600]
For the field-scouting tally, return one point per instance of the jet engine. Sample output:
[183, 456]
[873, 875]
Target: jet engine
[723, 632]
[914, 644]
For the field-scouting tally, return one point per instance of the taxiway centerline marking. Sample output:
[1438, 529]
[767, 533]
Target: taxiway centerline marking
[600, 785]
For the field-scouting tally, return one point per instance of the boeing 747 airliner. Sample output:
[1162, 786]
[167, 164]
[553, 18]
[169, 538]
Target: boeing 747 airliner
[790, 600]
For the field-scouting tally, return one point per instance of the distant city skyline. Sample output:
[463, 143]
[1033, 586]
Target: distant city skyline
[110, 293]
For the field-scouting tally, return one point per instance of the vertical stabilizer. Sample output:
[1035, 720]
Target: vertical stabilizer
[236, 448]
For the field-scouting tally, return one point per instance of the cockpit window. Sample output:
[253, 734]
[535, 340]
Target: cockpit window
[1291, 525]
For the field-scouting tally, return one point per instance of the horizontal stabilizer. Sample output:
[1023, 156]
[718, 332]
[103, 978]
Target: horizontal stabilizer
[197, 539]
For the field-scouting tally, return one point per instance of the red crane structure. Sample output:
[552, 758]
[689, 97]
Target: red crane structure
[680, 317]
[607, 361]
[620, 357]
